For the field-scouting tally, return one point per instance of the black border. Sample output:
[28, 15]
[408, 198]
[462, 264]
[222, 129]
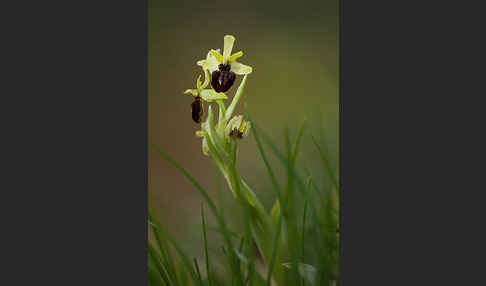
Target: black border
[76, 160]
[405, 145]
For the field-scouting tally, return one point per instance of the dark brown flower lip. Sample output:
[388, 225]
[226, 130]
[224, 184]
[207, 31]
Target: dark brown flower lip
[197, 109]
[222, 79]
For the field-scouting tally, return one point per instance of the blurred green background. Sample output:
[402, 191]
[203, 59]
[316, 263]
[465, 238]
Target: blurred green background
[293, 49]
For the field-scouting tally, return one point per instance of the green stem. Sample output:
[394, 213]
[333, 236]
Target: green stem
[260, 226]
[236, 98]
[221, 122]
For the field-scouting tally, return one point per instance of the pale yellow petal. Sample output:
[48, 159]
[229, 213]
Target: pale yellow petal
[217, 55]
[235, 56]
[207, 78]
[198, 82]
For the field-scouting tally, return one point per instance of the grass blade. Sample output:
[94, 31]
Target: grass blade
[185, 261]
[154, 276]
[303, 238]
[289, 212]
[297, 141]
[326, 165]
[264, 158]
[205, 195]
[187, 175]
[308, 196]
[166, 257]
[156, 265]
[198, 272]
[275, 243]
[286, 163]
[205, 245]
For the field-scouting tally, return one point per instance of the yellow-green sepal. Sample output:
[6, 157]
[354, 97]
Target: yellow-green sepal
[194, 92]
[229, 41]
[211, 95]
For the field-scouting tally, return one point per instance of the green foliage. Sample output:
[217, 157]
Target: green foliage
[305, 253]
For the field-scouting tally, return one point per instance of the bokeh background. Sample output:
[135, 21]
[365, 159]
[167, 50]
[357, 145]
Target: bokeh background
[293, 49]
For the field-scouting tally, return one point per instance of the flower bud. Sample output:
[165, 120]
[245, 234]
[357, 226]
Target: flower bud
[237, 128]
[197, 109]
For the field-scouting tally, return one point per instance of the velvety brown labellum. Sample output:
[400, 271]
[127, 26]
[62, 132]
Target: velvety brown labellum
[222, 79]
[197, 109]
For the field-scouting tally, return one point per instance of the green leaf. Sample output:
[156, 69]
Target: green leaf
[185, 260]
[275, 244]
[221, 121]
[198, 272]
[157, 271]
[264, 157]
[213, 139]
[165, 257]
[303, 234]
[240, 256]
[308, 272]
[154, 276]
[204, 193]
[297, 142]
[325, 163]
[203, 220]
[212, 206]
[307, 195]
[275, 212]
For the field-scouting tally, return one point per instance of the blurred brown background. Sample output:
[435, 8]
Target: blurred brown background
[293, 49]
